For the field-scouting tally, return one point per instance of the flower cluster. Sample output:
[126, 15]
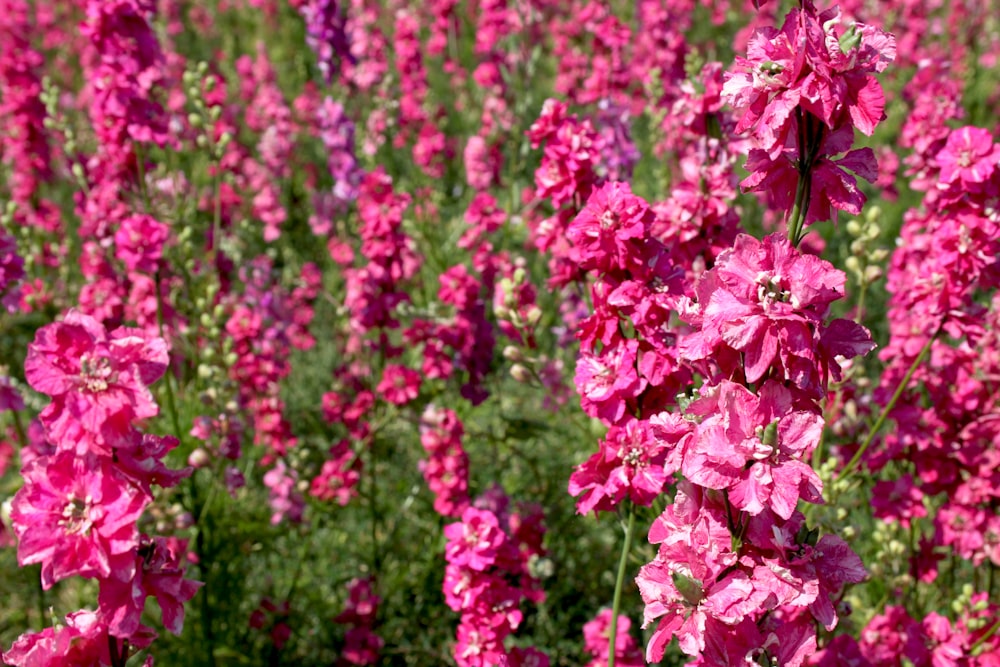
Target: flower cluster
[626, 381]
[361, 644]
[326, 34]
[446, 469]
[595, 641]
[78, 510]
[942, 326]
[487, 548]
[801, 91]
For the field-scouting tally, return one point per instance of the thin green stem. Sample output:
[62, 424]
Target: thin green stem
[620, 583]
[847, 469]
[168, 376]
[984, 637]
[860, 314]
[22, 436]
[797, 215]
[141, 163]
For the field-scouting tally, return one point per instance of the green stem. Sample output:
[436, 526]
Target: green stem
[797, 215]
[168, 376]
[620, 584]
[141, 164]
[22, 436]
[860, 315]
[846, 470]
[984, 637]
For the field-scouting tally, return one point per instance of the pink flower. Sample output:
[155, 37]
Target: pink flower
[632, 462]
[156, 572]
[767, 300]
[969, 156]
[98, 381]
[596, 641]
[76, 515]
[609, 232]
[474, 542]
[753, 446]
[139, 243]
[609, 381]
[399, 384]
[81, 642]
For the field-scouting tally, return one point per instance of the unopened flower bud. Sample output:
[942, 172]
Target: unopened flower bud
[513, 353]
[199, 458]
[520, 373]
[873, 214]
[872, 273]
[854, 228]
[533, 315]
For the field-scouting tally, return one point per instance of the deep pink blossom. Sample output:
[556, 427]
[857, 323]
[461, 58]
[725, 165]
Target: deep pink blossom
[475, 541]
[76, 515]
[608, 233]
[156, 572]
[753, 446]
[98, 381]
[81, 642]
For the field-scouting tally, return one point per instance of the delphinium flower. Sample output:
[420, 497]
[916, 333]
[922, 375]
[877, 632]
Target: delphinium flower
[129, 59]
[483, 553]
[265, 322]
[269, 115]
[699, 220]
[592, 48]
[761, 311]
[760, 338]
[84, 491]
[368, 46]
[893, 634]
[565, 178]
[326, 34]
[11, 272]
[415, 120]
[943, 313]
[97, 380]
[361, 643]
[800, 92]
[81, 640]
[626, 381]
[24, 148]
[339, 476]
[446, 469]
[336, 131]
[595, 641]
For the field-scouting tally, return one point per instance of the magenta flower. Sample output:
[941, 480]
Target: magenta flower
[474, 542]
[139, 243]
[155, 572]
[98, 381]
[969, 157]
[632, 462]
[608, 233]
[607, 382]
[82, 642]
[752, 446]
[399, 384]
[767, 300]
[76, 515]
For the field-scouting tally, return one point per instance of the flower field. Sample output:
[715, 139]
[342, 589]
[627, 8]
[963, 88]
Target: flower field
[523, 333]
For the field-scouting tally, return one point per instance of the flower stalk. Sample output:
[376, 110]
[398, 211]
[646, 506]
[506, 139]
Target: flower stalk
[620, 583]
